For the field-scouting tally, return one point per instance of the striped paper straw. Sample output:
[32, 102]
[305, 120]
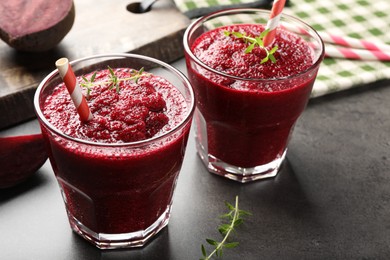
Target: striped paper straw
[356, 54]
[69, 78]
[345, 47]
[273, 21]
[354, 42]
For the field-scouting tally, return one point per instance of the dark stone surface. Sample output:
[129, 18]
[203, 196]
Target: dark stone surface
[331, 199]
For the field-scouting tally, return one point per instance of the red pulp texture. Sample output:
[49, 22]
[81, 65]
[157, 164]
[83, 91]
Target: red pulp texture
[118, 189]
[249, 121]
[131, 112]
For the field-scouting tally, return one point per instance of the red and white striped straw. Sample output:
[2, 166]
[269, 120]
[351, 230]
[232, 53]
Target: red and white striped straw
[356, 54]
[273, 21]
[354, 42]
[69, 78]
[345, 47]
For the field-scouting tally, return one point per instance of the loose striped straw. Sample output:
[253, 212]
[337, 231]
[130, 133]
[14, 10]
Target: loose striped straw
[354, 42]
[273, 21]
[356, 49]
[69, 78]
[334, 51]
[345, 47]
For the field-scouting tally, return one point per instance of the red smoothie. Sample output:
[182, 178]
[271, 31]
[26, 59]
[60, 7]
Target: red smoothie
[246, 108]
[121, 177]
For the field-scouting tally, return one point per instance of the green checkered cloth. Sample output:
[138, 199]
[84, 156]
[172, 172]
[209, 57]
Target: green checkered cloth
[362, 19]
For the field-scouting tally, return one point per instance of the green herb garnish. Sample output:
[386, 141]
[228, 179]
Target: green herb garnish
[256, 41]
[113, 80]
[88, 84]
[234, 216]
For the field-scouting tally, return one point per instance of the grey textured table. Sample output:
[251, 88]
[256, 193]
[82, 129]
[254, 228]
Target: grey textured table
[331, 199]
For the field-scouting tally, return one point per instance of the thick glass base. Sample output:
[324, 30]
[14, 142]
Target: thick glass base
[240, 174]
[123, 240]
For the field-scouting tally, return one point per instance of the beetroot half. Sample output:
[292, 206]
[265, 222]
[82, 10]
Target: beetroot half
[20, 157]
[37, 25]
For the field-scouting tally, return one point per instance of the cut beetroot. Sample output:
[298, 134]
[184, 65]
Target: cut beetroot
[20, 157]
[37, 25]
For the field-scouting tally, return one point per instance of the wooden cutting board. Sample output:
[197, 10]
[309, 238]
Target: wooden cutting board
[100, 26]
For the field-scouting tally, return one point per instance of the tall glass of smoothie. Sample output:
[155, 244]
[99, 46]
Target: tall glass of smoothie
[247, 105]
[117, 172]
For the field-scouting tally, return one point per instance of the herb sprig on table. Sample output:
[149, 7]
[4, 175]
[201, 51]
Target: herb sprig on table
[256, 41]
[113, 80]
[234, 217]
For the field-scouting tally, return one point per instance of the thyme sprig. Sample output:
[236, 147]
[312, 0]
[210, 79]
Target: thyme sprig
[256, 41]
[113, 81]
[235, 219]
[88, 84]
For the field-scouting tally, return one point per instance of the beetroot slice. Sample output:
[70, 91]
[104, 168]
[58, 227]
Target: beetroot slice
[37, 25]
[20, 157]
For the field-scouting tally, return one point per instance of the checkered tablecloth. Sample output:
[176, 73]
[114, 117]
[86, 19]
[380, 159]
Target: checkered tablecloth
[363, 19]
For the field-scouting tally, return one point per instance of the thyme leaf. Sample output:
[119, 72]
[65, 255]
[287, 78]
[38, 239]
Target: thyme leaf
[234, 217]
[113, 81]
[255, 41]
[88, 84]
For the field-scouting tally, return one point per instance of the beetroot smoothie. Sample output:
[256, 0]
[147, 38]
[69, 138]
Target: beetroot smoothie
[246, 109]
[117, 172]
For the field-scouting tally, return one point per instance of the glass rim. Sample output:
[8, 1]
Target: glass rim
[229, 11]
[144, 142]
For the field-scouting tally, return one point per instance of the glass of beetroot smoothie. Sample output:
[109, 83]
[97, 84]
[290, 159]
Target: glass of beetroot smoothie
[117, 172]
[247, 105]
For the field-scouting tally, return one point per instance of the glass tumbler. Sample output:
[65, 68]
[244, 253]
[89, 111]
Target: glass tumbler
[242, 134]
[117, 195]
